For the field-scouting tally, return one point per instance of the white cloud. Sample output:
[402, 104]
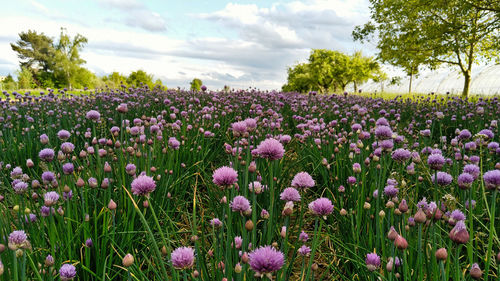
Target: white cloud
[137, 14]
[269, 40]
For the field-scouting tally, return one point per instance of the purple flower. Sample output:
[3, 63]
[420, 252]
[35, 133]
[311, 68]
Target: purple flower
[63, 135]
[488, 133]
[304, 250]
[48, 176]
[383, 132]
[239, 128]
[20, 187]
[89, 243]
[290, 194]
[46, 154]
[465, 180]
[67, 147]
[303, 236]
[17, 172]
[372, 261]
[265, 260]
[68, 168]
[302, 180]
[321, 207]
[44, 139]
[457, 215]
[464, 134]
[225, 176]
[436, 161]
[67, 272]
[459, 233]
[93, 115]
[473, 170]
[18, 240]
[442, 178]
[182, 258]
[240, 204]
[130, 169]
[391, 191]
[237, 242]
[215, 222]
[270, 149]
[401, 155]
[143, 185]
[50, 198]
[173, 143]
[492, 179]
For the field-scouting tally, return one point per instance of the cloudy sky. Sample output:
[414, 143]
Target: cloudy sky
[240, 43]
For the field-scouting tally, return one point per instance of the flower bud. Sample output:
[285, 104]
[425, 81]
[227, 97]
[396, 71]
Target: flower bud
[401, 242]
[441, 254]
[420, 216]
[112, 205]
[128, 260]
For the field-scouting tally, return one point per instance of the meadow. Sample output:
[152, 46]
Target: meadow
[148, 184]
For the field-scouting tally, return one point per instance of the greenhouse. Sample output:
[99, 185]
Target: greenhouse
[485, 81]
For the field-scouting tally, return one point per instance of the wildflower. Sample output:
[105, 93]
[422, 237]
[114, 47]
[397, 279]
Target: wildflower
[240, 204]
[270, 149]
[46, 154]
[442, 178]
[215, 222]
[18, 240]
[182, 258]
[492, 179]
[459, 233]
[372, 261]
[143, 185]
[304, 250]
[321, 207]
[290, 194]
[93, 115]
[401, 155]
[265, 260]
[302, 180]
[475, 271]
[50, 198]
[436, 161]
[225, 176]
[67, 272]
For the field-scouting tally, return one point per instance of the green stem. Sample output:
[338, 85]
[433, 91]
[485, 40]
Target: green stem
[492, 229]
[317, 232]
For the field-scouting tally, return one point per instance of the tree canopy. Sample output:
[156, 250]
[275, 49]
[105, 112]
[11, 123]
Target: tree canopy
[196, 84]
[430, 33]
[53, 64]
[328, 70]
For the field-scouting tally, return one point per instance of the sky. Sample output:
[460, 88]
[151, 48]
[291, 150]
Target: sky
[241, 44]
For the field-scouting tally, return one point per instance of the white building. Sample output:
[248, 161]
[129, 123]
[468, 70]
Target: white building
[485, 81]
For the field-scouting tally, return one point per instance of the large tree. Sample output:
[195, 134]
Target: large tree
[196, 84]
[299, 79]
[140, 77]
[67, 59]
[329, 70]
[51, 65]
[433, 32]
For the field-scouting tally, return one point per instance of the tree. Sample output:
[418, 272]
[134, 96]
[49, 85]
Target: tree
[299, 79]
[34, 50]
[115, 79]
[24, 79]
[433, 32]
[140, 76]
[51, 65]
[196, 84]
[68, 59]
[329, 70]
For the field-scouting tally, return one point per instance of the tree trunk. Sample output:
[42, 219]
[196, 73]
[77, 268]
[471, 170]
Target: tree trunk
[355, 87]
[467, 76]
[411, 80]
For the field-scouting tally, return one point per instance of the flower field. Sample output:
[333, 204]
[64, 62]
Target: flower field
[144, 184]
